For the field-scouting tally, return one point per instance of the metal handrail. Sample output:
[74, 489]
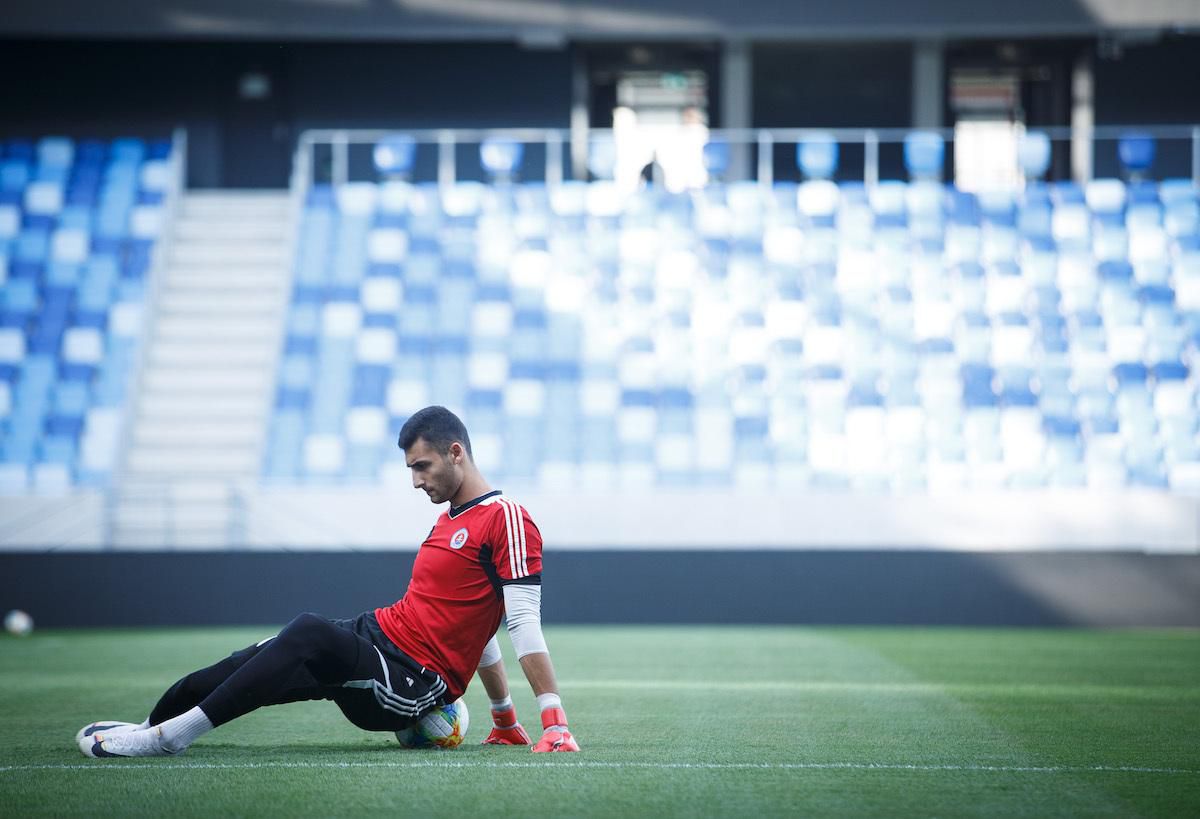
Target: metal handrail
[358, 136]
[301, 180]
[158, 265]
[447, 139]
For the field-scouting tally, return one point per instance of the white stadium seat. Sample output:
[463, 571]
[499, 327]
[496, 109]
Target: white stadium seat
[366, 425]
[324, 453]
[387, 245]
[376, 345]
[83, 345]
[125, 319]
[44, 198]
[341, 319]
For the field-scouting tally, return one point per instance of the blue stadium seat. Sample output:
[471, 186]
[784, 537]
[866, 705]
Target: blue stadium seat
[716, 157]
[924, 153]
[286, 444]
[501, 157]
[394, 155]
[817, 156]
[127, 150]
[14, 174]
[1033, 154]
[1136, 152]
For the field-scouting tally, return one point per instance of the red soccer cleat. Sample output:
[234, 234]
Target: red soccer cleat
[556, 742]
[555, 737]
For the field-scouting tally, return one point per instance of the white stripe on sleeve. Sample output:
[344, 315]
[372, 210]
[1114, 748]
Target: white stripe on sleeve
[512, 541]
[522, 547]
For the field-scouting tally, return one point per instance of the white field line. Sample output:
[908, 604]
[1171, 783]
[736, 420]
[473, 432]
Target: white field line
[802, 686]
[884, 687]
[597, 765]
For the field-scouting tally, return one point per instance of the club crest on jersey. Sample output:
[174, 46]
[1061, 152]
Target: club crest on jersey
[458, 539]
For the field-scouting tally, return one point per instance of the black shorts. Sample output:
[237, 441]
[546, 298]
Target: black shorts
[390, 690]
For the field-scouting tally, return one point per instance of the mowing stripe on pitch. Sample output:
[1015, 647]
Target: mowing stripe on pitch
[685, 766]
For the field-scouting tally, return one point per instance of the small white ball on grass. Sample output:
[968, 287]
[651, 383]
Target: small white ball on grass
[18, 623]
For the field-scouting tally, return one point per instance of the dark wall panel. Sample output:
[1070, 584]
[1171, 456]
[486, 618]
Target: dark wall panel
[430, 86]
[816, 587]
[1149, 84]
[841, 85]
[108, 88]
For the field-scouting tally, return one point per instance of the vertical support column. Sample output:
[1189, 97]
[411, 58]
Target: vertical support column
[554, 158]
[766, 160]
[341, 159]
[736, 98]
[1083, 119]
[1196, 157]
[928, 83]
[870, 159]
[447, 162]
[580, 88]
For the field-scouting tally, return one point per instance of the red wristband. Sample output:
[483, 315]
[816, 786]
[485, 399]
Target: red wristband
[552, 717]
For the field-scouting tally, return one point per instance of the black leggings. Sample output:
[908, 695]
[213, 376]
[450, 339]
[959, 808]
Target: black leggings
[312, 658]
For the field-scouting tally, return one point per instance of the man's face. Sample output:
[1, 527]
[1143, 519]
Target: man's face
[438, 475]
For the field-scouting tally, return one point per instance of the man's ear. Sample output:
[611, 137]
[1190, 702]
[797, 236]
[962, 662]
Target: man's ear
[456, 452]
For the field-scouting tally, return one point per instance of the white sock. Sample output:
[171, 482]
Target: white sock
[179, 732]
[549, 701]
[502, 705]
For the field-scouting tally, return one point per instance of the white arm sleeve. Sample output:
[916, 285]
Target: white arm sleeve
[491, 653]
[523, 605]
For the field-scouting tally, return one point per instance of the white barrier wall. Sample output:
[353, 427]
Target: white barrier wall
[1045, 520]
[69, 521]
[400, 518]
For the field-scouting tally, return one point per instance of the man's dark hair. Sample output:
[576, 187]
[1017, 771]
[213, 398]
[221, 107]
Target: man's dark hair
[438, 426]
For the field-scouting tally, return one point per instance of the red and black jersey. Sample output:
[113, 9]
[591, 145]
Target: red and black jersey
[454, 601]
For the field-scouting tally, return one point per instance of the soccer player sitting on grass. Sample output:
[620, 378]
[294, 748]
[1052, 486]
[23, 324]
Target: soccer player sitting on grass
[386, 668]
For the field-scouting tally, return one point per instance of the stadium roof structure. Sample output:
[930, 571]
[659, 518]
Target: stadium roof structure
[552, 23]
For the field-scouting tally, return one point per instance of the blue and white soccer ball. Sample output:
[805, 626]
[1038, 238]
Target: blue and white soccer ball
[443, 727]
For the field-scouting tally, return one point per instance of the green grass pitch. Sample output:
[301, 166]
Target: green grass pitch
[674, 721]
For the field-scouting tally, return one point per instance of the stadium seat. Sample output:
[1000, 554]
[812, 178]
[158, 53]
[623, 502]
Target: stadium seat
[817, 156]
[1033, 154]
[924, 153]
[500, 157]
[716, 156]
[602, 157]
[1105, 197]
[1136, 152]
[394, 155]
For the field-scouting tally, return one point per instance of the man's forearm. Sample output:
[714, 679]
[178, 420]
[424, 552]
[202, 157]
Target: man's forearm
[555, 735]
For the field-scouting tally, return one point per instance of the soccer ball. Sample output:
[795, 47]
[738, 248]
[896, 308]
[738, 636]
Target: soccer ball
[443, 727]
[18, 623]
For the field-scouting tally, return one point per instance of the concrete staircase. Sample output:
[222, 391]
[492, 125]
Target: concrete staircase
[206, 386]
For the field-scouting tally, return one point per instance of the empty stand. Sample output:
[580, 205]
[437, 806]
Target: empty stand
[906, 336]
[78, 225]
